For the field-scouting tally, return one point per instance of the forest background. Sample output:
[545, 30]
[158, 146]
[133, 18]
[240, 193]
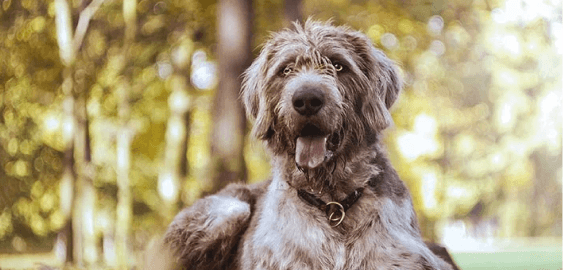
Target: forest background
[116, 114]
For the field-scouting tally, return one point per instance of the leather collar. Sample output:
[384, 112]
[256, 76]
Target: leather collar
[335, 211]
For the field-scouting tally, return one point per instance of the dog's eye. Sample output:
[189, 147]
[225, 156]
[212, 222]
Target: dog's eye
[286, 71]
[338, 66]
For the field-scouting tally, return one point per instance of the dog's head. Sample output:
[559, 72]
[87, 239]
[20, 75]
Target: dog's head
[318, 91]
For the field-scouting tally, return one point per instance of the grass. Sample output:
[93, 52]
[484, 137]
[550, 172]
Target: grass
[27, 261]
[535, 259]
[522, 258]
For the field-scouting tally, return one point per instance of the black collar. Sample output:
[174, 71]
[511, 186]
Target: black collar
[335, 211]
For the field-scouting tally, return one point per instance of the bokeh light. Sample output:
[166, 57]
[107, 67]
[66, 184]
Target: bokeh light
[477, 131]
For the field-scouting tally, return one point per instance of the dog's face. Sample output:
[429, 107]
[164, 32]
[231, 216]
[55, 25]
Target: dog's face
[319, 91]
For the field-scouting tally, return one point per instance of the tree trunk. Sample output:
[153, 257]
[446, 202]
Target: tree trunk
[124, 138]
[234, 52]
[77, 197]
[124, 197]
[292, 11]
[545, 194]
[85, 201]
[174, 166]
[67, 184]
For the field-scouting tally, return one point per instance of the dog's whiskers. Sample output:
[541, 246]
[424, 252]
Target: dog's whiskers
[299, 168]
[333, 169]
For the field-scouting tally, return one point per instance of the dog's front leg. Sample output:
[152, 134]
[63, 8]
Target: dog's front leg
[206, 234]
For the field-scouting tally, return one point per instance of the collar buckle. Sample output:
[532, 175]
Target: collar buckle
[335, 211]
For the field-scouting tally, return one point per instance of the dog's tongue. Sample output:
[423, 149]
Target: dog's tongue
[310, 151]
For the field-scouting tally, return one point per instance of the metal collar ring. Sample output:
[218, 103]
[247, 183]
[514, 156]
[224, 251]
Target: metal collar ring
[337, 219]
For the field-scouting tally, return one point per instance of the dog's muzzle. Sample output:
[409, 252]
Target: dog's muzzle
[310, 150]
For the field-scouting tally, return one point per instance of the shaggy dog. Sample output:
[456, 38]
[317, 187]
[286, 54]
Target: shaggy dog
[320, 96]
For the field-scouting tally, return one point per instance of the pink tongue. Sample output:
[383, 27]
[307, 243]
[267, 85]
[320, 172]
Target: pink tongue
[310, 151]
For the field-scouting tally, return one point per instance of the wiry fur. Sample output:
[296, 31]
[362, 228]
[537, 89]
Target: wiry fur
[268, 226]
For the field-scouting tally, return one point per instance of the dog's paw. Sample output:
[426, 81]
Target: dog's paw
[204, 234]
[224, 215]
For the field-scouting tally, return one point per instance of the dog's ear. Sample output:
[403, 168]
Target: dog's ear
[252, 86]
[384, 83]
[249, 91]
[390, 83]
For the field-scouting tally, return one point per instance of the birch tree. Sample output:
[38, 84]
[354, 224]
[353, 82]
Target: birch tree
[124, 139]
[76, 188]
[174, 167]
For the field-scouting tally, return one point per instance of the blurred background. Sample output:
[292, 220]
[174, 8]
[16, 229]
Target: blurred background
[116, 114]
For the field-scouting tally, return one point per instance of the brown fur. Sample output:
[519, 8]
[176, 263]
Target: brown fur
[268, 226]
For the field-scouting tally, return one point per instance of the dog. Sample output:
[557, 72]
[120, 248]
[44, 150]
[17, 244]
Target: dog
[320, 97]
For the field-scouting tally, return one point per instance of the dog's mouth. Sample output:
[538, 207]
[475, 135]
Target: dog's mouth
[313, 147]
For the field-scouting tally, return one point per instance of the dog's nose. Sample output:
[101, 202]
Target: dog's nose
[308, 101]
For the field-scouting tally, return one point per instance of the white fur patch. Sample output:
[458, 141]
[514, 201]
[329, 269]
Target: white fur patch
[224, 209]
[276, 240]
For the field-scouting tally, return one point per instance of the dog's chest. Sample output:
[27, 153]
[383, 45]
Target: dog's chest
[290, 236]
